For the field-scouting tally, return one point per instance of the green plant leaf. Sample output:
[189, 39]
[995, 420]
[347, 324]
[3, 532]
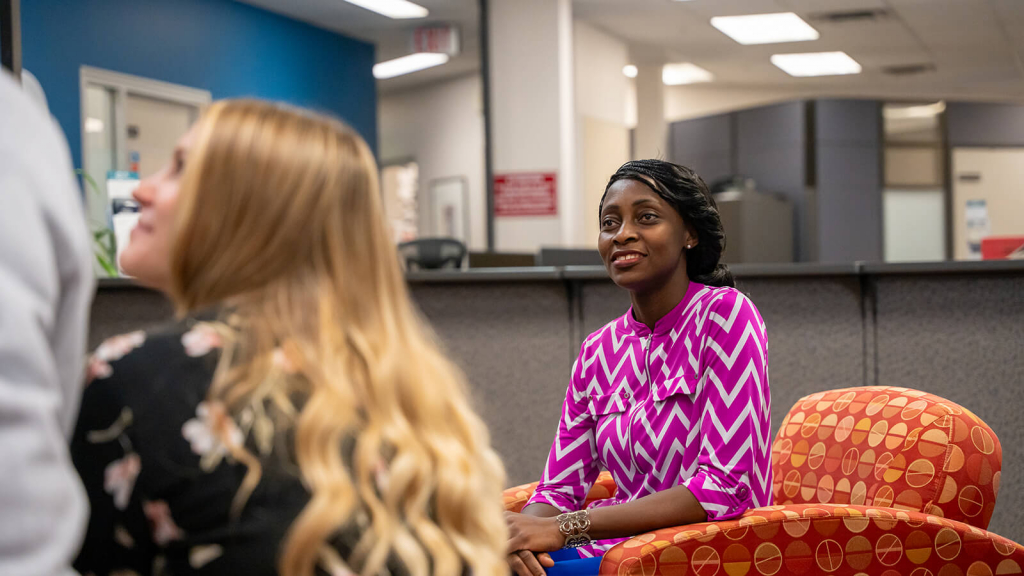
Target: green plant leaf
[104, 243]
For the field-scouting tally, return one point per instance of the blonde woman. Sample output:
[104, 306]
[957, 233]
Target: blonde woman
[299, 419]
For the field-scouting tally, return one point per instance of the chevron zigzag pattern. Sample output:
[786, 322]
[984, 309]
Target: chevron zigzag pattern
[687, 403]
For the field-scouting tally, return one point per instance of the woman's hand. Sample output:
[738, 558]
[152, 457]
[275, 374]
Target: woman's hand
[533, 533]
[526, 563]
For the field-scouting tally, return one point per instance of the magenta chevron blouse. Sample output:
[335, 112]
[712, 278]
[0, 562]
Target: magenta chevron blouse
[685, 404]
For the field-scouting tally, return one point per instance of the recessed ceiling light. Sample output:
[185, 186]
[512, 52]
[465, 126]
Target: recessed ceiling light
[630, 71]
[397, 9]
[765, 28]
[684, 73]
[817, 64]
[408, 64]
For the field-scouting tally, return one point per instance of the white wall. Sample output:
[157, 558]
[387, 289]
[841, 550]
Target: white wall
[998, 179]
[532, 110]
[685, 102]
[602, 136]
[441, 127]
[601, 88]
[914, 225]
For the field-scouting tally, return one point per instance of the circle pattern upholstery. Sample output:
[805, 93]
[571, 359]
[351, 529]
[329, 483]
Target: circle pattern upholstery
[888, 448]
[877, 480]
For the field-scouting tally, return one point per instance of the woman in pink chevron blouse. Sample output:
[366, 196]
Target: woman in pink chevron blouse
[672, 398]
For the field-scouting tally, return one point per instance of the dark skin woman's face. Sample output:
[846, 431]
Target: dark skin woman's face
[643, 239]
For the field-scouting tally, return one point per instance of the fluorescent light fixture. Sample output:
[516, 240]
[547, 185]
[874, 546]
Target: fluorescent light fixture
[817, 64]
[93, 125]
[920, 111]
[630, 71]
[397, 9]
[684, 73]
[765, 28]
[408, 64]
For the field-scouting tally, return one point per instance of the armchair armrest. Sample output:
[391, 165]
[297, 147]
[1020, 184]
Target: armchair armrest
[516, 497]
[809, 538]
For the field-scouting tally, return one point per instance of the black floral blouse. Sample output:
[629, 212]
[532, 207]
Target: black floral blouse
[160, 481]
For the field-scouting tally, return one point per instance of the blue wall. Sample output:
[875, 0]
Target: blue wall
[228, 48]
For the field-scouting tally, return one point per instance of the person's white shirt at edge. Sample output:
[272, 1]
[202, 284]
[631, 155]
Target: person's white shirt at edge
[46, 286]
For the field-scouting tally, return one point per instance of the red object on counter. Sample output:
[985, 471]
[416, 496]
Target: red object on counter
[999, 247]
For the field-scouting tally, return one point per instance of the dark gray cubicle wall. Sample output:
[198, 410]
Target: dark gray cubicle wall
[707, 145]
[823, 155]
[952, 329]
[769, 144]
[122, 306]
[979, 124]
[961, 336]
[848, 180]
[511, 334]
[772, 145]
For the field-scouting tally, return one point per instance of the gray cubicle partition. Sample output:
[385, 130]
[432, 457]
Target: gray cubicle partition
[952, 329]
[511, 335]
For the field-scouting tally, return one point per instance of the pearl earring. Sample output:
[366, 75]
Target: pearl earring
[687, 246]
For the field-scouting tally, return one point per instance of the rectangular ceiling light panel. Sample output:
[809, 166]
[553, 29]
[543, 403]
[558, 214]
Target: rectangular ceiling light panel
[397, 9]
[765, 28]
[817, 64]
[408, 64]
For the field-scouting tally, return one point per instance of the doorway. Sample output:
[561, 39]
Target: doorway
[130, 126]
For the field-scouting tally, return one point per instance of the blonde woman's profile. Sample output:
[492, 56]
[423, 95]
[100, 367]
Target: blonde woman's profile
[299, 417]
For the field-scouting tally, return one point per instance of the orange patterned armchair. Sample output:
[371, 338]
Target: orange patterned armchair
[876, 480]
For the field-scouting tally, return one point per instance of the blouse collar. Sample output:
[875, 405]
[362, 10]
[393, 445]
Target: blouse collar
[666, 322]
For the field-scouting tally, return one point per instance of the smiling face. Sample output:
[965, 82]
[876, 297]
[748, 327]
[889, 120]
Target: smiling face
[643, 239]
[147, 256]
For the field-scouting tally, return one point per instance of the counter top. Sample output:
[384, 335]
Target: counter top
[740, 271]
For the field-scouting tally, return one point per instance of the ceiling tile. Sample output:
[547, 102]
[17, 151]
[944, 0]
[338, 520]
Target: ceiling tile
[711, 8]
[814, 6]
[952, 23]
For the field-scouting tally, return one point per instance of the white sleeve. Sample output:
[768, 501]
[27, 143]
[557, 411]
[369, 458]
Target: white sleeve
[42, 504]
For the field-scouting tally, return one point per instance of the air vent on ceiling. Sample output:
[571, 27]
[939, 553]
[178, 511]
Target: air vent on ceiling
[852, 16]
[908, 69]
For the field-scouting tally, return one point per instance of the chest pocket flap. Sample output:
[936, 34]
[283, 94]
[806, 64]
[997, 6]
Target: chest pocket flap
[684, 383]
[605, 404]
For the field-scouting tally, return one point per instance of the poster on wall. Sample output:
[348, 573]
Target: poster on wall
[978, 227]
[525, 194]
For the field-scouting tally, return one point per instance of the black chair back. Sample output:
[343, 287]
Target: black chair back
[432, 253]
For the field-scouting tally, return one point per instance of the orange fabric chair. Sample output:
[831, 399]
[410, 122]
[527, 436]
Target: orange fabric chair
[875, 480]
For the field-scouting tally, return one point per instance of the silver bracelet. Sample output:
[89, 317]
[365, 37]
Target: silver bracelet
[574, 526]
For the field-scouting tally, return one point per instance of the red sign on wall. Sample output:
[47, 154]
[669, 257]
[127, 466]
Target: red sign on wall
[525, 194]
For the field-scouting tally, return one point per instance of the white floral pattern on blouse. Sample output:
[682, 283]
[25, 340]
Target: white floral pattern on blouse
[111, 350]
[119, 479]
[201, 339]
[206, 433]
[164, 528]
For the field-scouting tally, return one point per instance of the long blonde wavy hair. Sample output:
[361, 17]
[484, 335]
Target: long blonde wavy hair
[280, 221]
